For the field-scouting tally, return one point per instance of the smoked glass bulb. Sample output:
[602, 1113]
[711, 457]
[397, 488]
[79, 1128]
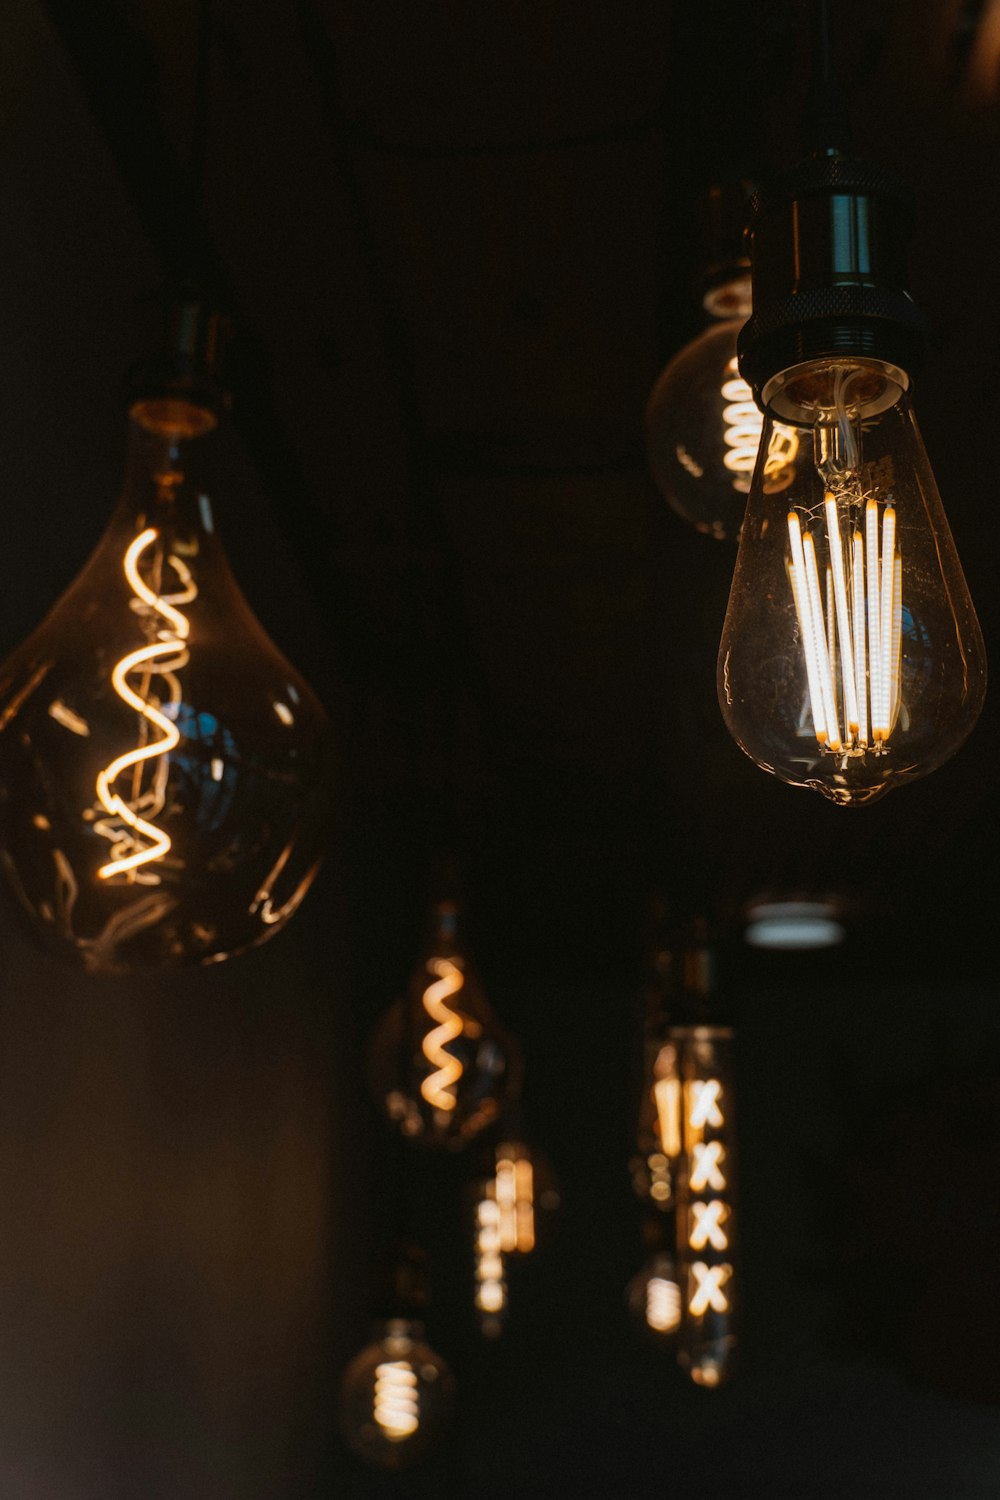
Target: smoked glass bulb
[163, 768]
[396, 1396]
[442, 1067]
[851, 658]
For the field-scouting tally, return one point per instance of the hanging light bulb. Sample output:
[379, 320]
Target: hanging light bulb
[515, 1202]
[702, 426]
[851, 658]
[163, 768]
[442, 1067]
[654, 1298]
[396, 1396]
[705, 1221]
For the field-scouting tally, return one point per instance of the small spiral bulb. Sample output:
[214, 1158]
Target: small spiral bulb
[396, 1397]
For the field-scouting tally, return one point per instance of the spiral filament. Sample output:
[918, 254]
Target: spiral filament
[438, 1088]
[396, 1404]
[663, 1304]
[743, 423]
[742, 426]
[514, 1185]
[136, 841]
[850, 623]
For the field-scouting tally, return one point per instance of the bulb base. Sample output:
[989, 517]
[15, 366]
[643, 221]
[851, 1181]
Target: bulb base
[187, 367]
[828, 254]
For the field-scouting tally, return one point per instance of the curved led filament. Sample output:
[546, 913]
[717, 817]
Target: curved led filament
[396, 1399]
[742, 424]
[491, 1281]
[438, 1087]
[850, 621]
[140, 841]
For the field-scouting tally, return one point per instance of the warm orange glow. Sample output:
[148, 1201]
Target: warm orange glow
[708, 1290]
[396, 1399]
[667, 1094]
[141, 842]
[705, 1096]
[438, 1087]
[491, 1281]
[706, 1167]
[515, 1196]
[707, 1226]
[663, 1304]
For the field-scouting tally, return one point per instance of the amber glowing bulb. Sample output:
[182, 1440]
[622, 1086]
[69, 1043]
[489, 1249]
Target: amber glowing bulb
[164, 769]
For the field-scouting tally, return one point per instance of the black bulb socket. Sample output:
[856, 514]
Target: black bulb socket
[827, 243]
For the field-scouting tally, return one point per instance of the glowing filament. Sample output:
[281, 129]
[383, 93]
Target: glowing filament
[663, 1304]
[515, 1196]
[491, 1283]
[438, 1087]
[851, 630]
[667, 1096]
[706, 1167]
[707, 1228]
[742, 423]
[708, 1290]
[705, 1096]
[396, 1401]
[165, 656]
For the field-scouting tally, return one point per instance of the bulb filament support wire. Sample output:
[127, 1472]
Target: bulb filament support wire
[438, 1088]
[135, 839]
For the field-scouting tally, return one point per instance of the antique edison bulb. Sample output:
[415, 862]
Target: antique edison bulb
[442, 1067]
[163, 767]
[851, 658]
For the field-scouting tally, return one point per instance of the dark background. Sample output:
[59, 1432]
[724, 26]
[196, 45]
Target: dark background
[460, 243]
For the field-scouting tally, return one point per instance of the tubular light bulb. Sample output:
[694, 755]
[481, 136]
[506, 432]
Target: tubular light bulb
[705, 1220]
[163, 768]
[441, 1066]
[396, 1396]
[851, 658]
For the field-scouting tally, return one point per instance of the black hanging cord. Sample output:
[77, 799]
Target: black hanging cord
[826, 129]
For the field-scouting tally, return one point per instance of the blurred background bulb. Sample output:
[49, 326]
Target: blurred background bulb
[515, 1202]
[851, 658]
[396, 1397]
[653, 1297]
[442, 1067]
[702, 425]
[163, 767]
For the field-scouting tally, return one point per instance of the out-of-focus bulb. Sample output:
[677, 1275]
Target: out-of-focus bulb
[702, 425]
[655, 1299]
[163, 767]
[442, 1067]
[658, 1136]
[705, 1220]
[396, 1396]
[851, 658]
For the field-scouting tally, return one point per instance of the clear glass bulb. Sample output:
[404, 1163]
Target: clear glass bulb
[442, 1067]
[396, 1397]
[851, 658]
[654, 1300]
[163, 768]
[706, 1229]
[702, 425]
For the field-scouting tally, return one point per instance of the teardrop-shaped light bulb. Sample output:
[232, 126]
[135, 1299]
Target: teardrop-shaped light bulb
[163, 768]
[442, 1067]
[851, 658]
